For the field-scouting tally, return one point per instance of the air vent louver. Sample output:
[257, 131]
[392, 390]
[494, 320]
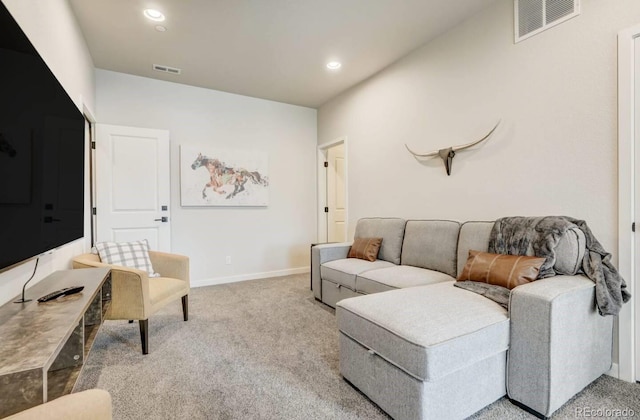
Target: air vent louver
[535, 16]
[530, 16]
[558, 9]
[167, 69]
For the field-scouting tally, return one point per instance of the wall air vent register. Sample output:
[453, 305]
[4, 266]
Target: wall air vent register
[535, 16]
[167, 69]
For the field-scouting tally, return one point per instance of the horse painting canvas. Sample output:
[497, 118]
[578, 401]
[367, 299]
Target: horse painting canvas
[218, 177]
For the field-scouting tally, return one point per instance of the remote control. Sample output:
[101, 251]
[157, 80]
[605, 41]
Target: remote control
[62, 292]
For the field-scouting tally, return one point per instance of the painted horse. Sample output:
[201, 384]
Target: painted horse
[220, 175]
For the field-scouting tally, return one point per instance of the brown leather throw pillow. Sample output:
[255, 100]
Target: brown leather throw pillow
[365, 248]
[502, 270]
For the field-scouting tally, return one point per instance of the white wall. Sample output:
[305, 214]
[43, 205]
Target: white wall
[261, 241]
[555, 152]
[54, 32]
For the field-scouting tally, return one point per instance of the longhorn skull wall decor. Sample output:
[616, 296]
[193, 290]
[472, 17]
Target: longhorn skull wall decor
[447, 154]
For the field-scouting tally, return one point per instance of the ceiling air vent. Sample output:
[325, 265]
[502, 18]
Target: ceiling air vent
[167, 69]
[535, 16]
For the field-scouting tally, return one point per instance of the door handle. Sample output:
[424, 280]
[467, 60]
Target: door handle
[163, 219]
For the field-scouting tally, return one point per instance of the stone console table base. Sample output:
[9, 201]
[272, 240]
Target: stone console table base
[43, 345]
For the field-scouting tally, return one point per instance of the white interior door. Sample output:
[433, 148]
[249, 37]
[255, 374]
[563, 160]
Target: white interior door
[132, 185]
[336, 194]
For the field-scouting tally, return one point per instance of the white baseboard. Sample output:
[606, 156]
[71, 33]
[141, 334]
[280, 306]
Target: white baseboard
[252, 276]
[613, 371]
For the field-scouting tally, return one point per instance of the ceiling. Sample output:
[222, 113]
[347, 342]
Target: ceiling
[271, 49]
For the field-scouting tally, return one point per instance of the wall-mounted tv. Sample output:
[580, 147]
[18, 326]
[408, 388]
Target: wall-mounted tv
[42, 148]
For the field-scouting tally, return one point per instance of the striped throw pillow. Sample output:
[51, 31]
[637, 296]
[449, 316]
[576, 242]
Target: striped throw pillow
[128, 254]
[501, 270]
[365, 248]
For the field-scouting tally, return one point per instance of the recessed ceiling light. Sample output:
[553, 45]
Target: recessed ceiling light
[160, 28]
[153, 14]
[334, 65]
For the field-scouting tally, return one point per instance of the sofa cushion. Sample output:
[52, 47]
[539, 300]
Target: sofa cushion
[427, 331]
[508, 271]
[569, 251]
[431, 244]
[365, 248]
[391, 230]
[397, 277]
[473, 235]
[162, 288]
[344, 271]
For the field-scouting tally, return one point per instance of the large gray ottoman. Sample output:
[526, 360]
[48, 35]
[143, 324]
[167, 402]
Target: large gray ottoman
[429, 352]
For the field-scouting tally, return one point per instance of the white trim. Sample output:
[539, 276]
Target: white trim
[322, 186]
[333, 143]
[88, 113]
[253, 276]
[626, 205]
[321, 201]
[614, 371]
[91, 163]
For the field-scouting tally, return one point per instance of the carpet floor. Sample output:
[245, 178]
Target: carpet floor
[262, 349]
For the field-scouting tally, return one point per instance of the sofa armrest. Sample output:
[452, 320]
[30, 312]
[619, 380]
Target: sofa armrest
[321, 254]
[130, 297]
[559, 342]
[93, 404]
[170, 265]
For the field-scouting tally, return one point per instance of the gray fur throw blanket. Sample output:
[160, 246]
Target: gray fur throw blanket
[539, 236]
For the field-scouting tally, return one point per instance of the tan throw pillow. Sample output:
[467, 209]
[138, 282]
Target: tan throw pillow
[365, 248]
[502, 270]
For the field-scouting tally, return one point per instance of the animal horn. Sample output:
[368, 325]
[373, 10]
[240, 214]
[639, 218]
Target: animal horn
[473, 143]
[422, 155]
[454, 148]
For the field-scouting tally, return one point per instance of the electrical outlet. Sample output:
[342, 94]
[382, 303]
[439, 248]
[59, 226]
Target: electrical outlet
[227, 260]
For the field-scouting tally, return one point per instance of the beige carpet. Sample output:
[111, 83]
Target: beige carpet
[262, 349]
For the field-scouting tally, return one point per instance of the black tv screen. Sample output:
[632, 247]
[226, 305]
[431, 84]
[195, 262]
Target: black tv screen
[41, 153]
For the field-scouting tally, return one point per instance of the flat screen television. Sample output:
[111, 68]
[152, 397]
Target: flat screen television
[42, 149]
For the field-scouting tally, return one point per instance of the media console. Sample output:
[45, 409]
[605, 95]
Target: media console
[43, 345]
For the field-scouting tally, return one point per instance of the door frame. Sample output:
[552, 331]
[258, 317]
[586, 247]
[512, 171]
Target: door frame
[323, 150]
[628, 264]
[90, 157]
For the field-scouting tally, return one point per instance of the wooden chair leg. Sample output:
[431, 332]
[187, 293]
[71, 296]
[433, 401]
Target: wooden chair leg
[185, 307]
[144, 335]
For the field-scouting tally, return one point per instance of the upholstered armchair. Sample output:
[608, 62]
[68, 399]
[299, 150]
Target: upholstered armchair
[135, 296]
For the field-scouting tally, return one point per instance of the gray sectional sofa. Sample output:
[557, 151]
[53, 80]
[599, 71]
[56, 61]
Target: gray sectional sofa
[421, 348]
